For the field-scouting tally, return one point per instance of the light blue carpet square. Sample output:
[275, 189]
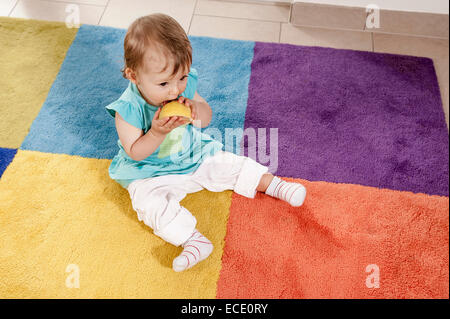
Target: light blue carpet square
[73, 119]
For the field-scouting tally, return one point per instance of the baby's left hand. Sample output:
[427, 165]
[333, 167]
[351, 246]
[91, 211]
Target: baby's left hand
[191, 104]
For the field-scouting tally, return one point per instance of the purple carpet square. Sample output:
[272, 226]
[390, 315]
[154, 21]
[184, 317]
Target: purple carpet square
[349, 116]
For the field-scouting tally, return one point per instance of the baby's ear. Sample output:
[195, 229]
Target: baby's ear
[131, 75]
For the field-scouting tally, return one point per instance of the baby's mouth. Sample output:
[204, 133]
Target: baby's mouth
[167, 101]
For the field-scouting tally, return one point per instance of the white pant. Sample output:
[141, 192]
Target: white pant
[157, 199]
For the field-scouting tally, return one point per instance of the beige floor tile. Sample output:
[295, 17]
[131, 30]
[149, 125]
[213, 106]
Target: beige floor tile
[411, 45]
[55, 11]
[236, 29]
[6, 6]
[326, 16]
[339, 39]
[252, 11]
[121, 13]
[436, 49]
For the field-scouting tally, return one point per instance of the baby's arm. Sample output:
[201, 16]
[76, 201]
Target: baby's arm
[132, 139]
[139, 145]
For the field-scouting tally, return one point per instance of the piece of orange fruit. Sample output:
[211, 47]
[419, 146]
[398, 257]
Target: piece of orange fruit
[175, 108]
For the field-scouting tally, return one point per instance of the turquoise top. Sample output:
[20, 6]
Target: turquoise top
[182, 150]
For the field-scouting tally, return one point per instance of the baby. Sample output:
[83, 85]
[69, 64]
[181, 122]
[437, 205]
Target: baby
[161, 160]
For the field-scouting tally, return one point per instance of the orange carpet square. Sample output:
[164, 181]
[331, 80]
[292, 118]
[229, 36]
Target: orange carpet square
[346, 241]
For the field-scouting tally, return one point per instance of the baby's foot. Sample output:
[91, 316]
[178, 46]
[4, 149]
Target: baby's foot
[196, 249]
[293, 193]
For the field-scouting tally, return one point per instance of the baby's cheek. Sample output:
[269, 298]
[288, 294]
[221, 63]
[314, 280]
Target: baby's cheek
[183, 88]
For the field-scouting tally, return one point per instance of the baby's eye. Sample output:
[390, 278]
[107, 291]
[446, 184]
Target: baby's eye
[163, 84]
[184, 78]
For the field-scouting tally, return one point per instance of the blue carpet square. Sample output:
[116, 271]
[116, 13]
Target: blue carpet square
[6, 157]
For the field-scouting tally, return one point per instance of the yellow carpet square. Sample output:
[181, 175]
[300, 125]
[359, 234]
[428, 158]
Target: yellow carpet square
[31, 53]
[60, 210]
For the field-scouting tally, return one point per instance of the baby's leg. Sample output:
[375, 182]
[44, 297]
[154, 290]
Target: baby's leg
[228, 171]
[264, 182]
[245, 176]
[157, 203]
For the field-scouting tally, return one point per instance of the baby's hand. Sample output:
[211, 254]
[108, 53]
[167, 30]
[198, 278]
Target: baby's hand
[191, 104]
[162, 127]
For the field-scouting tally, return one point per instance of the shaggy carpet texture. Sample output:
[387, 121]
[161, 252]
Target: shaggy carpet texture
[364, 132]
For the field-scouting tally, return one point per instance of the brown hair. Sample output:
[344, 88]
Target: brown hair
[159, 31]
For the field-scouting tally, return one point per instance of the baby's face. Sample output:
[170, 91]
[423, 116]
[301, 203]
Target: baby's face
[157, 86]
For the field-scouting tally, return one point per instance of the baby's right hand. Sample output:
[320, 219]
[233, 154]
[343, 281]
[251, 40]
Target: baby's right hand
[162, 127]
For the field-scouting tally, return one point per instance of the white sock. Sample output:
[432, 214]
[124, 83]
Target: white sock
[293, 193]
[196, 249]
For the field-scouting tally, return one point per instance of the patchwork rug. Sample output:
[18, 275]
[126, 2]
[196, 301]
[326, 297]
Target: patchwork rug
[364, 132]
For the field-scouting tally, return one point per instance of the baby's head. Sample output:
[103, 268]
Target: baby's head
[158, 57]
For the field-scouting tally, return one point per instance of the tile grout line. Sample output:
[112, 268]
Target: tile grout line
[77, 3]
[192, 16]
[104, 10]
[373, 43]
[291, 8]
[411, 35]
[279, 34]
[272, 4]
[15, 5]
[327, 28]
